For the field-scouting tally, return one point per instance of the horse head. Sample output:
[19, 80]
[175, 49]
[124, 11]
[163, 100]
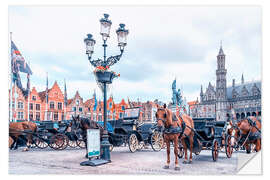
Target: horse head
[164, 117]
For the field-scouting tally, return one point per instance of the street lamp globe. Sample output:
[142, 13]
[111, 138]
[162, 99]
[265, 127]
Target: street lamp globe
[105, 27]
[122, 36]
[90, 43]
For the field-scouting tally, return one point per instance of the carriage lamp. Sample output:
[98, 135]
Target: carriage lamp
[103, 74]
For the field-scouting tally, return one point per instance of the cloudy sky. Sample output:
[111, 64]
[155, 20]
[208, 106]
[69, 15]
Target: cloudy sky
[164, 43]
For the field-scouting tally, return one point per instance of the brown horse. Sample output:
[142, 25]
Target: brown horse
[171, 125]
[82, 124]
[19, 129]
[250, 133]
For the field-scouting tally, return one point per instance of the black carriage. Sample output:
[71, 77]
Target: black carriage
[209, 134]
[136, 135]
[51, 134]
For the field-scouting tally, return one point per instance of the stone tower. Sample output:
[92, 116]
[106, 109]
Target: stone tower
[221, 87]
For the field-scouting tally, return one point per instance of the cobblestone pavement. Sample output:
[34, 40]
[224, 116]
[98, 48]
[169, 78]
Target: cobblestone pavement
[146, 161]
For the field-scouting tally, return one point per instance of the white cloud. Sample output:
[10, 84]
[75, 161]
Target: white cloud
[196, 31]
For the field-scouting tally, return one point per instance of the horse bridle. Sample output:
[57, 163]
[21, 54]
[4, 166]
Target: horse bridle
[164, 116]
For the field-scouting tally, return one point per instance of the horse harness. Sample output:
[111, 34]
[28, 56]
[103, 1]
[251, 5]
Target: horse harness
[173, 130]
[251, 136]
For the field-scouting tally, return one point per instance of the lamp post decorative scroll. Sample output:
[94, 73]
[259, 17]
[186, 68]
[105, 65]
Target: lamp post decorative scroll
[102, 71]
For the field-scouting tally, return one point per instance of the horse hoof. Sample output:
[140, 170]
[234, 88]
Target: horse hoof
[190, 162]
[184, 162]
[166, 167]
[86, 156]
[177, 168]
[25, 149]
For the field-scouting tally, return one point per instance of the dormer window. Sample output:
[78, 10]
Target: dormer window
[34, 98]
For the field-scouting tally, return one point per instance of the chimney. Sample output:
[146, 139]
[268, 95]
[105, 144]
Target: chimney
[233, 83]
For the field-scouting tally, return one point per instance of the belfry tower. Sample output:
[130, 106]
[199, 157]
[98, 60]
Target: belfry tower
[221, 87]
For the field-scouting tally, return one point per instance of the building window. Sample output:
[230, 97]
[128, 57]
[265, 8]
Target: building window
[13, 104]
[34, 98]
[37, 116]
[80, 109]
[31, 116]
[77, 102]
[120, 115]
[74, 109]
[31, 106]
[20, 115]
[123, 108]
[55, 116]
[60, 106]
[63, 116]
[51, 105]
[110, 105]
[38, 107]
[89, 109]
[20, 105]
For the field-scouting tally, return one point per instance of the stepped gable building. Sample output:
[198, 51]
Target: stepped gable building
[217, 102]
[75, 106]
[38, 106]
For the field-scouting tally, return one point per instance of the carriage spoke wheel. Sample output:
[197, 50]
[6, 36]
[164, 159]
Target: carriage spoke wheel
[157, 141]
[58, 142]
[40, 143]
[65, 143]
[215, 150]
[80, 143]
[72, 144]
[133, 143]
[228, 147]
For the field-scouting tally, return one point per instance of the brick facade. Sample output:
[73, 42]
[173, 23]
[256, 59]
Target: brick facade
[57, 111]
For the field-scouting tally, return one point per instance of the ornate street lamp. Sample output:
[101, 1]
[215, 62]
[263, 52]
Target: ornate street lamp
[102, 72]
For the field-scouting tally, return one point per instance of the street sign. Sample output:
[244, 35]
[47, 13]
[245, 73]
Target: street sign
[93, 142]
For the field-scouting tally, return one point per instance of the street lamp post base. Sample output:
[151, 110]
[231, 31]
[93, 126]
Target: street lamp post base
[95, 162]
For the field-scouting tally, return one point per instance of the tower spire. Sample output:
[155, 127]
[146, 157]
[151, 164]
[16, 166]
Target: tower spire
[242, 79]
[220, 49]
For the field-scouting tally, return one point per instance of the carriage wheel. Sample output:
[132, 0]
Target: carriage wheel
[81, 143]
[58, 141]
[215, 150]
[228, 147]
[65, 143]
[157, 141]
[72, 144]
[41, 143]
[133, 143]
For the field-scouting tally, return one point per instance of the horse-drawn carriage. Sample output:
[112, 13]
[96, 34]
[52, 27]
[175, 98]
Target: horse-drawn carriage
[210, 134]
[57, 135]
[129, 130]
